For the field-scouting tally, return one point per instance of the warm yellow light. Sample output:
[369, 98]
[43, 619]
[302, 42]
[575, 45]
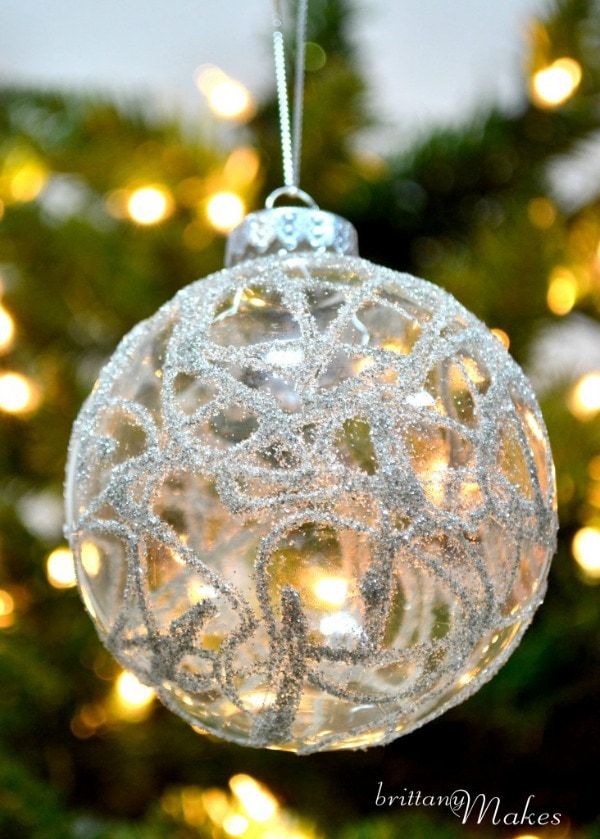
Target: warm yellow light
[331, 590]
[230, 99]
[132, 694]
[562, 292]
[60, 568]
[594, 468]
[7, 607]
[91, 559]
[584, 398]
[225, 210]
[7, 330]
[17, 394]
[28, 181]
[541, 212]
[149, 204]
[502, 336]
[553, 85]
[258, 803]
[235, 825]
[226, 97]
[397, 347]
[216, 804]
[242, 166]
[7, 604]
[586, 550]
[527, 836]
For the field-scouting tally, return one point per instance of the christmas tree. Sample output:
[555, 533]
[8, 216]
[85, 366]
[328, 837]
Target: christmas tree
[106, 213]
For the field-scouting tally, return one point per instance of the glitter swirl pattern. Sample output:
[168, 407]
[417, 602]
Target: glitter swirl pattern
[311, 503]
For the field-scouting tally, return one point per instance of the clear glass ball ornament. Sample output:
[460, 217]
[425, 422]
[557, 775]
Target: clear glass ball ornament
[311, 500]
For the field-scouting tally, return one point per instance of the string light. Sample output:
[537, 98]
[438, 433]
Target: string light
[586, 550]
[584, 398]
[7, 330]
[225, 210]
[17, 394]
[60, 569]
[562, 292]
[235, 825]
[251, 811]
[133, 699]
[553, 85]
[256, 800]
[7, 607]
[23, 174]
[149, 205]
[226, 97]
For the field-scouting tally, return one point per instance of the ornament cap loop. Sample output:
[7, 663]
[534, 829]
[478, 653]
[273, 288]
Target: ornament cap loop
[290, 230]
[291, 192]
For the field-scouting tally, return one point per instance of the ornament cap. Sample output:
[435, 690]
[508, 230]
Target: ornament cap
[286, 230]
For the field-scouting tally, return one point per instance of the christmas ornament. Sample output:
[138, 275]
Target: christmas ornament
[311, 500]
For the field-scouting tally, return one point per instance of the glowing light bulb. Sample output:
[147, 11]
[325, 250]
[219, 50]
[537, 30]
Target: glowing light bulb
[226, 97]
[553, 85]
[584, 398]
[7, 606]
[132, 694]
[225, 210]
[235, 825]
[17, 394]
[562, 292]
[586, 550]
[7, 330]
[258, 803]
[60, 569]
[149, 205]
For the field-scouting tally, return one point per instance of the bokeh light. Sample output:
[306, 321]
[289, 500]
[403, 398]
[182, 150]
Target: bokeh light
[60, 568]
[149, 205]
[562, 292]
[133, 699]
[7, 608]
[235, 825]
[256, 800]
[554, 85]
[541, 212]
[17, 394]
[23, 175]
[586, 550]
[242, 166]
[584, 398]
[225, 210]
[227, 98]
[7, 330]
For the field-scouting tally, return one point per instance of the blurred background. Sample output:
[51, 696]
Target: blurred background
[464, 144]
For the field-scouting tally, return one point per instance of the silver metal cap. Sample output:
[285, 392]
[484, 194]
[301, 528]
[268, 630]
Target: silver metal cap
[285, 230]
